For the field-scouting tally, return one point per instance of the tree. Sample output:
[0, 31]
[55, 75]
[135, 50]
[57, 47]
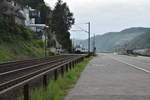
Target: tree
[45, 15]
[35, 3]
[62, 20]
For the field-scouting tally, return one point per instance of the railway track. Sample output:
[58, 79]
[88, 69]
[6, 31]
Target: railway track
[20, 73]
[4, 67]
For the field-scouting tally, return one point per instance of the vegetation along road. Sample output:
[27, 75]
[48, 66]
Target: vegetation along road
[21, 74]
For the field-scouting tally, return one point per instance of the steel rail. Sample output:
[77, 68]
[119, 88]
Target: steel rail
[27, 70]
[28, 67]
[33, 73]
[17, 80]
[21, 61]
[23, 78]
[8, 67]
[20, 81]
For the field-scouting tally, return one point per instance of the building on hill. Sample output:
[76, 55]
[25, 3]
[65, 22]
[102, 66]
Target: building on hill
[32, 18]
[22, 15]
[25, 16]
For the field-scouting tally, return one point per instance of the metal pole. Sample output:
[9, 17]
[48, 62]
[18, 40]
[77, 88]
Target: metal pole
[26, 92]
[93, 43]
[55, 74]
[45, 83]
[89, 37]
[45, 43]
[62, 70]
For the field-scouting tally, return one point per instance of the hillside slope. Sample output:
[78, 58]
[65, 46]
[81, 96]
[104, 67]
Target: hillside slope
[113, 40]
[140, 42]
[18, 42]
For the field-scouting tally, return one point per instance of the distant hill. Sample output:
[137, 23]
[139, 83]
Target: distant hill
[113, 40]
[140, 42]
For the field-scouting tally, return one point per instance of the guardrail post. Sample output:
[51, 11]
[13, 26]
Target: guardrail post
[26, 92]
[73, 64]
[70, 66]
[45, 83]
[62, 71]
[75, 61]
[55, 74]
[66, 67]
[83, 58]
[80, 59]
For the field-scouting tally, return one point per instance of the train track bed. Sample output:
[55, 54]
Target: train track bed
[17, 77]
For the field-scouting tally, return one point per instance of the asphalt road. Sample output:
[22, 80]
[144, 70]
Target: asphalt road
[114, 77]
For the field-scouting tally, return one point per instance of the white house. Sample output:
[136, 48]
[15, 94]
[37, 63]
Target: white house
[25, 16]
[22, 15]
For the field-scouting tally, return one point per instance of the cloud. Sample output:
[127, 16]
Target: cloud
[109, 15]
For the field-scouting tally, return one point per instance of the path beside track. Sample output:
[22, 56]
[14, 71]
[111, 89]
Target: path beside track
[114, 77]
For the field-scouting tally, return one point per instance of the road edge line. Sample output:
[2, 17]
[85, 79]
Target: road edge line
[134, 66]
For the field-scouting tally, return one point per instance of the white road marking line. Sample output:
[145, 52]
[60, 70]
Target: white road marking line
[98, 65]
[137, 61]
[139, 68]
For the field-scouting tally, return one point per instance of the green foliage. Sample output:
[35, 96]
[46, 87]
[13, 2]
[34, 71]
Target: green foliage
[40, 43]
[51, 43]
[35, 3]
[140, 42]
[57, 89]
[19, 50]
[18, 42]
[46, 15]
[62, 20]
[112, 41]
[22, 2]
[10, 31]
[59, 20]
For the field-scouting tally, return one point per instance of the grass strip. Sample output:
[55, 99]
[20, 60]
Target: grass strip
[56, 90]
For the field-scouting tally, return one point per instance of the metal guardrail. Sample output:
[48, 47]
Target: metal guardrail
[66, 63]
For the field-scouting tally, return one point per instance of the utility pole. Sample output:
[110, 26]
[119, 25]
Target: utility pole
[45, 43]
[93, 42]
[94, 45]
[73, 45]
[89, 31]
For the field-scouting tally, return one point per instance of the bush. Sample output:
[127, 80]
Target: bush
[51, 43]
[9, 31]
[40, 43]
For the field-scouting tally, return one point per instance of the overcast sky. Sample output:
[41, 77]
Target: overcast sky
[107, 15]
